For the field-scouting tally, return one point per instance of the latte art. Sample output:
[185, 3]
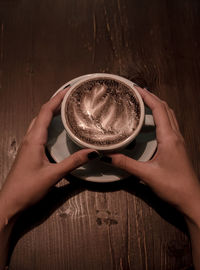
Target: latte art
[102, 111]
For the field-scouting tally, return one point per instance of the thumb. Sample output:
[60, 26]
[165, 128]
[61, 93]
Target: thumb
[74, 161]
[132, 166]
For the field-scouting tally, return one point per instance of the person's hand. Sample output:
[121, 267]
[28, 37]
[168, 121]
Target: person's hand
[32, 174]
[170, 173]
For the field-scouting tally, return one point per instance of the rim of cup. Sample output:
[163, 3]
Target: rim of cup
[111, 147]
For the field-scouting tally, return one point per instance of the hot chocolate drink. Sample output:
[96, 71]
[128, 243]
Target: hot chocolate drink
[102, 111]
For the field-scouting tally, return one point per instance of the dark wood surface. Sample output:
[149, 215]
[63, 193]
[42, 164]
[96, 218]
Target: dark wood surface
[43, 44]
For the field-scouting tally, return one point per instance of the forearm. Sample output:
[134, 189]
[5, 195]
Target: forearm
[193, 223]
[194, 230]
[7, 221]
[5, 232]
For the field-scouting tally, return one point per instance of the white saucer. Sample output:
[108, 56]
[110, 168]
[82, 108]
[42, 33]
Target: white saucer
[60, 146]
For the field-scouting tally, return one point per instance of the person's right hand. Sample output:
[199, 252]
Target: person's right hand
[32, 174]
[170, 173]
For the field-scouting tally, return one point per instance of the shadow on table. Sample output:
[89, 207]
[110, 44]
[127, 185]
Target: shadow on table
[57, 196]
[142, 191]
[166, 211]
[37, 214]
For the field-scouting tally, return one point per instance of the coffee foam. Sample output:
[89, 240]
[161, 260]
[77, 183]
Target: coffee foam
[102, 111]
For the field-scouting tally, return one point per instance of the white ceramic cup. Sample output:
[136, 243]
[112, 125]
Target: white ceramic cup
[112, 147]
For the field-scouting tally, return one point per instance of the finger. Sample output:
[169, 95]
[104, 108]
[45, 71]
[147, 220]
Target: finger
[42, 121]
[137, 168]
[72, 162]
[171, 118]
[47, 110]
[31, 125]
[162, 121]
[168, 110]
[57, 110]
[175, 120]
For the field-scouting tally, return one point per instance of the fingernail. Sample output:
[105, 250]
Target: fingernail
[134, 84]
[147, 88]
[106, 159]
[93, 155]
[66, 86]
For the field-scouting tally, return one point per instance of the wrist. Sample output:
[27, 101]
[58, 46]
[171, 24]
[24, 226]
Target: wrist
[7, 215]
[192, 213]
[192, 220]
[190, 203]
[7, 223]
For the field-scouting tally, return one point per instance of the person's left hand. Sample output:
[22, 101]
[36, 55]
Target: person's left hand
[32, 174]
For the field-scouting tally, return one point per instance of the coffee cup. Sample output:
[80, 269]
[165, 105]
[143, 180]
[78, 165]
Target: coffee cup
[104, 112]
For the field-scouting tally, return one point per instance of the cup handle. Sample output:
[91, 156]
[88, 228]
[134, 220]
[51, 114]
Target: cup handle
[148, 120]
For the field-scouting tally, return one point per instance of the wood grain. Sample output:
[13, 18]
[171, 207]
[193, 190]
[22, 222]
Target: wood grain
[45, 43]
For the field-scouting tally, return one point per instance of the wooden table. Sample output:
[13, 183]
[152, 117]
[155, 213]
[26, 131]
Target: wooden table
[46, 43]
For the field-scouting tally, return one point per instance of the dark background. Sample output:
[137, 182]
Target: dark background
[45, 43]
